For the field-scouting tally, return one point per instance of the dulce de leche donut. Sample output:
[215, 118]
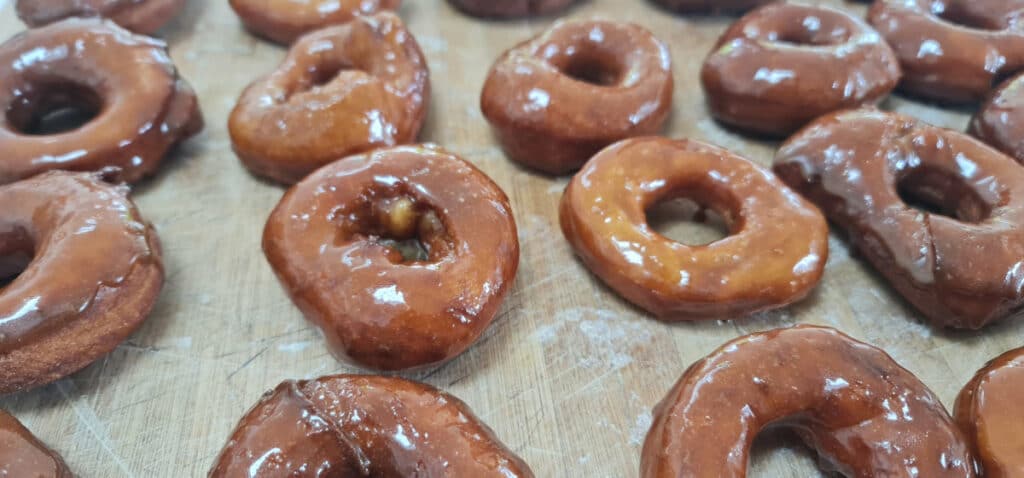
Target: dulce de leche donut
[141, 16]
[990, 412]
[1000, 120]
[335, 241]
[84, 271]
[351, 426]
[510, 8]
[341, 90]
[711, 6]
[283, 21]
[775, 255]
[556, 100]
[139, 105]
[22, 454]
[783, 65]
[960, 259]
[859, 409]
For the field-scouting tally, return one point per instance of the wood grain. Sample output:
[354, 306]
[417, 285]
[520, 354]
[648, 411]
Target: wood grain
[568, 373]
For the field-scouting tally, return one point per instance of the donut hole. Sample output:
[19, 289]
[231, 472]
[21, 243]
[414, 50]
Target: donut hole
[687, 221]
[320, 75]
[811, 31]
[54, 108]
[594, 68]
[960, 17]
[410, 231]
[935, 191]
[17, 250]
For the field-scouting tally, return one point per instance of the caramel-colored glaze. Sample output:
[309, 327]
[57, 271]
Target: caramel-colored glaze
[284, 21]
[143, 107]
[1000, 121]
[141, 16]
[952, 51]
[90, 272]
[990, 412]
[711, 6]
[556, 100]
[963, 267]
[340, 91]
[864, 414]
[22, 455]
[510, 8]
[350, 426]
[783, 65]
[775, 255]
[330, 242]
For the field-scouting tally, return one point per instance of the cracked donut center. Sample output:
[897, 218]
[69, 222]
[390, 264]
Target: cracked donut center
[410, 231]
[688, 222]
[595, 69]
[47, 109]
[17, 249]
[937, 192]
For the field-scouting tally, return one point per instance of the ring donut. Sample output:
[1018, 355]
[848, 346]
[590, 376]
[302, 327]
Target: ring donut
[711, 6]
[352, 425]
[400, 256]
[952, 51]
[989, 412]
[960, 264]
[283, 21]
[556, 100]
[775, 255]
[783, 65]
[852, 403]
[1000, 120]
[140, 16]
[22, 454]
[141, 108]
[54, 322]
[340, 91]
[510, 8]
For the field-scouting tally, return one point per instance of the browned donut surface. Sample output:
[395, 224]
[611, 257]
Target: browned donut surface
[354, 426]
[711, 6]
[401, 256]
[960, 259]
[783, 65]
[138, 106]
[1000, 121]
[510, 8]
[990, 412]
[23, 455]
[556, 100]
[142, 16]
[341, 90]
[863, 413]
[283, 21]
[82, 271]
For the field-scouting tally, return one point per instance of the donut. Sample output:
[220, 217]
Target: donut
[774, 256]
[283, 21]
[54, 322]
[140, 16]
[711, 6]
[340, 91]
[783, 65]
[989, 412]
[1000, 120]
[352, 425]
[22, 454]
[863, 413]
[956, 255]
[133, 104]
[510, 8]
[400, 256]
[556, 100]
[952, 51]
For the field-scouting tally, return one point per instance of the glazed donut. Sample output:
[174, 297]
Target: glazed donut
[783, 65]
[952, 51]
[774, 257]
[711, 6]
[352, 425]
[556, 100]
[859, 409]
[140, 107]
[283, 21]
[340, 91]
[84, 271]
[960, 266]
[22, 454]
[989, 412]
[1000, 121]
[510, 8]
[141, 16]
[344, 244]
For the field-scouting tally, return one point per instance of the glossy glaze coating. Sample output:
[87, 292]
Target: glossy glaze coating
[283, 21]
[90, 272]
[864, 414]
[510, 8]
[556, 100]
[990, 412]
[1000, 121]
[341, 90]
[783, 65]
[962, 267]
[23, 455]
[143, 107]
[775, 255]
[952, 51]
[711, 6]
[329, 241]
[141, 16]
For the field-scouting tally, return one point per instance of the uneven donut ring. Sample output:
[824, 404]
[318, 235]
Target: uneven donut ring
[1000, 120]
[989, 412]
[284, 21]
[140, 16]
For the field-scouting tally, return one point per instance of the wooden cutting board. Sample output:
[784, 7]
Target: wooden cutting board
[568, 373]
